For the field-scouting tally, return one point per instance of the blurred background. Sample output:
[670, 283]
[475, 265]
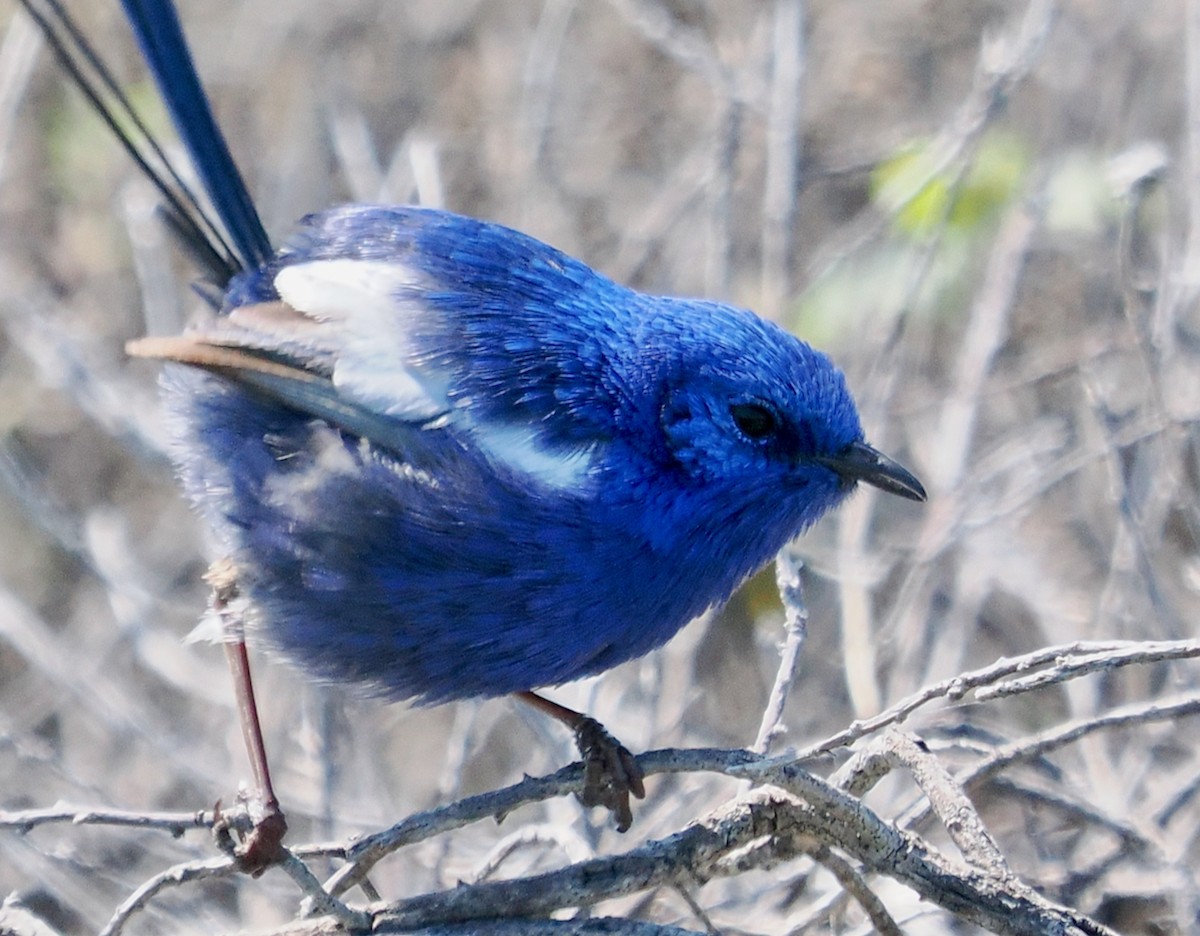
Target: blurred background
[987, 213]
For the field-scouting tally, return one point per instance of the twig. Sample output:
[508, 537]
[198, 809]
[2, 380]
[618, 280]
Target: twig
[694, 905]
[691, 51]
[856, 887]
[1039, 745]
[318, 902]
[596, 926]
[759, 830]
[18, 55]
[367, 852]
[958, 686]
[571, 844]
[176, 876]
[949, 802]
[1139, 713]
[1027, 790]
[783, 142]
[23, 820]
[1148, 651]
[791, 591]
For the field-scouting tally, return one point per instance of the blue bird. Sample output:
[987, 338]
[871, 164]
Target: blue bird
[447, 461]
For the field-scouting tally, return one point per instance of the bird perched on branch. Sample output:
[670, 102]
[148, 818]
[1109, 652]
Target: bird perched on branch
[445, 460]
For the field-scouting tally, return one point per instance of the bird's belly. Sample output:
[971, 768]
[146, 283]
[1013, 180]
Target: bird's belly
[412, 583]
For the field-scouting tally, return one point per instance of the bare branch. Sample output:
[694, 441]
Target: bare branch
[177, 876]
[791, 592]
[958, 686]
[23, 820]
[857, 888]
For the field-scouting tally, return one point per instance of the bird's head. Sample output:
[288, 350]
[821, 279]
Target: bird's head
[755, 423]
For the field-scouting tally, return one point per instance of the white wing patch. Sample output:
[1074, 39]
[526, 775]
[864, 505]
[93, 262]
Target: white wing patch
[519, 449]
[371, 331]
[374, 351]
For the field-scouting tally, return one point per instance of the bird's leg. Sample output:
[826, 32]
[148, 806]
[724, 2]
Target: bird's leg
[261, 847]
[610, 772]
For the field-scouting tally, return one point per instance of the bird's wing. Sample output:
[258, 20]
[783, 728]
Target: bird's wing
[385, 320]
[297, 387]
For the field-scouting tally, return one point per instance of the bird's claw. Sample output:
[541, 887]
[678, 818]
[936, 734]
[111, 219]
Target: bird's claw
[610, 773]
[255, 846]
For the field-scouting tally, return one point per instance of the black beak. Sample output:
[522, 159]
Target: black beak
[859, 462]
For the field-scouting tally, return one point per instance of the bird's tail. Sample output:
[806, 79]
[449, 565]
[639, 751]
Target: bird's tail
[235, 240]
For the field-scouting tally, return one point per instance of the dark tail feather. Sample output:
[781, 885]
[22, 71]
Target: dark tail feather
[156, 26]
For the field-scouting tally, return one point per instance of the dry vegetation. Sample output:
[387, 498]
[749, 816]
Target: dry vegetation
[988, 212]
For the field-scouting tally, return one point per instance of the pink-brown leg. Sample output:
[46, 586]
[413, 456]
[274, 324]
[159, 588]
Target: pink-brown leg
[610, 772]
[262, 846]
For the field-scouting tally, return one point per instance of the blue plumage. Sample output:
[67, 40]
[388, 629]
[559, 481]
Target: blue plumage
[449, 561]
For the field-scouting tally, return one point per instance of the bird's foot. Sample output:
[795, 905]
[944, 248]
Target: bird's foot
[254, 843]
[610, 774]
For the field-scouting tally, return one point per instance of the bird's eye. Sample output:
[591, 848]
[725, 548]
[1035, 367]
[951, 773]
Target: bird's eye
[754, 420]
